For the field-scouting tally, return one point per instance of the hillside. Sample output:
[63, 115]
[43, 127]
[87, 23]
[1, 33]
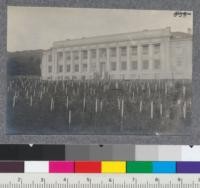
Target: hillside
[24, 63]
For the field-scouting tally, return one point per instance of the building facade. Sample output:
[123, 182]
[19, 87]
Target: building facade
[149, 54]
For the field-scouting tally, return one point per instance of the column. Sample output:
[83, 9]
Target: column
[118, 75]
[88, 60]
[56, 60]
[107, 60]
[128, 58]
[44, 65]
[151, 62]
[139, 60]
[164, 56]
[118, 58]
[97, 60]
[80, 61]
[54, 64]
[151, 57]
[166, 61]
[71, 63]
[63, 63]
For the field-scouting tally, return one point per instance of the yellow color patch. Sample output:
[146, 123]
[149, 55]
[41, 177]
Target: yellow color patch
[113, 167]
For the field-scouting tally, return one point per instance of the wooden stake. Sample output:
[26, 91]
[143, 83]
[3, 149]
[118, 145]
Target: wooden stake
[141, 106]
[184, 91]
[101, 105]
[118, 103]
[52, 104]
[151, 109]
[96, 106]
[184, 110]
[116, 85]
[84, 101]
[27, 94]
[67, 103]
[122, 116]
[166, 89]
[149, 90]
[161, 109]
[14, 101]
[122, 109]
[41, 94]
[70, 118]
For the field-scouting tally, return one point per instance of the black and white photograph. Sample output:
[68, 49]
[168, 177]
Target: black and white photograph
[88, 71]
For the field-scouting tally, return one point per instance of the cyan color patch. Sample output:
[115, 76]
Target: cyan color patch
[164, 167]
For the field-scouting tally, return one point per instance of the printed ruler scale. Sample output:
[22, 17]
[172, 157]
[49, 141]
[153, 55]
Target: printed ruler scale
[34, 180]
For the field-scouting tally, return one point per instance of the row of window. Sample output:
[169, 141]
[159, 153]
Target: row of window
[134, 65]
[113, 66]
[103, 52]
[68, 68]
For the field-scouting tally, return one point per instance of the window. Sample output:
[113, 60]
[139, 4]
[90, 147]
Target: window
[123, 51]
[68, 68]
[68, 56]
[145, 49]
[93, 66]
[93, 53]
[75, 55]
[102, 66]
[113, 66]
[179, 51]
[179, 63]
[50, 69]
[134, 65]
[84, 54]
[145, 64]
[60, 77]
[102, 53]
[76, 68]
[50, 58]
[84, 67]
[157, 64]
[83, 77]
[60, 56]
[123, 65]
[74, 77]
[156, 48]
[134, 50]
[113, 52]
[60, 68]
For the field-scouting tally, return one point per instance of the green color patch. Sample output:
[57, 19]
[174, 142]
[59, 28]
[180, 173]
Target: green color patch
[139, 167]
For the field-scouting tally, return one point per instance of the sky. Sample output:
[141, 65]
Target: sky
[31, 28]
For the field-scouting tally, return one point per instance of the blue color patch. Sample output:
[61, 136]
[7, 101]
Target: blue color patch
[164, 167]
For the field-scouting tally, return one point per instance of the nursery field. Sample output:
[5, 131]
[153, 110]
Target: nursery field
[141, 107]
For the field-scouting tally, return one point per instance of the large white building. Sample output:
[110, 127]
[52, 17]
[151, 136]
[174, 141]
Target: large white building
[148, 54]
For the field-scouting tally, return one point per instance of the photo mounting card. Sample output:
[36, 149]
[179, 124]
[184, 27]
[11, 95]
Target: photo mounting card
[80, 71]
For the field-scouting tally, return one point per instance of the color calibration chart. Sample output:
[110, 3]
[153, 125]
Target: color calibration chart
[56, 167]
[107, 167]
[111, 152]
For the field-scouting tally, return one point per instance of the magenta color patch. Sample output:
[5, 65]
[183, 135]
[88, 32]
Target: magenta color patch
[61, 167]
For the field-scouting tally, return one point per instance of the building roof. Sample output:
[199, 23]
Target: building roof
[145, 34]
[178, 35]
